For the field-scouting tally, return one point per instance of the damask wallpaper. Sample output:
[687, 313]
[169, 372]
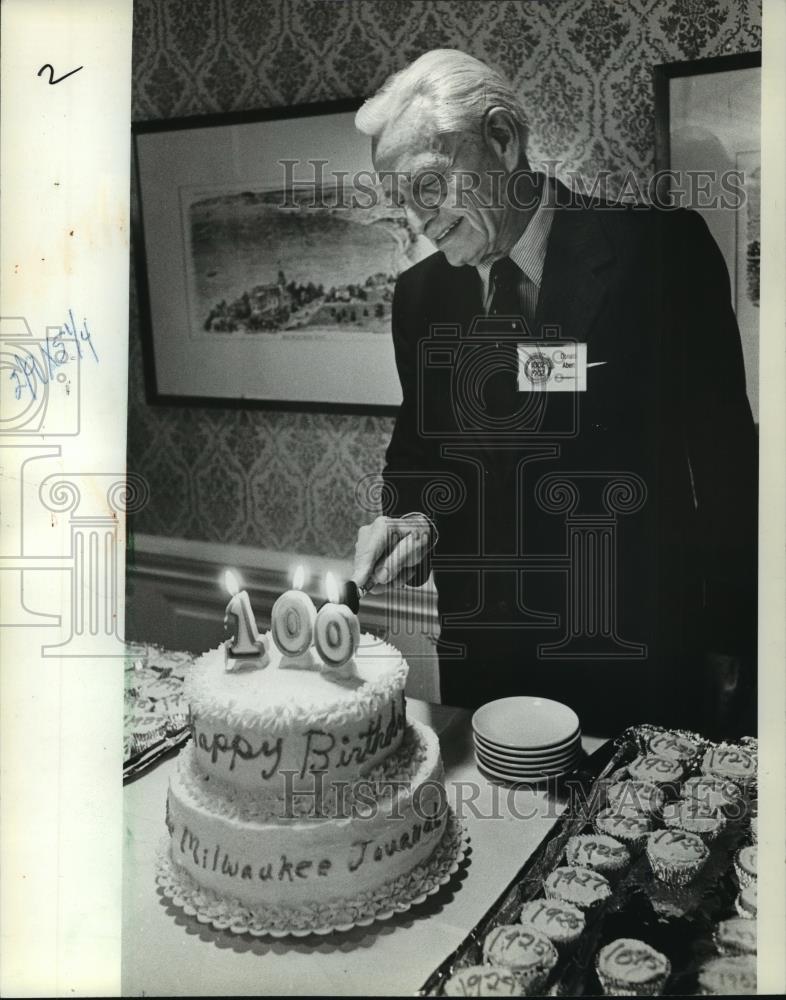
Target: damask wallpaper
[283, 480]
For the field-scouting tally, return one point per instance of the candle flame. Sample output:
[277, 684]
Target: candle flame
[298, 578]
[331, 588]
[231, 582]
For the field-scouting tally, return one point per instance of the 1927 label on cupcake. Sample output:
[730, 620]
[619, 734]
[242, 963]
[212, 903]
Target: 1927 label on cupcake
[580, 877]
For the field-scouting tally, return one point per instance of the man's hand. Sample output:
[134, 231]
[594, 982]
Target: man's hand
[389, 550]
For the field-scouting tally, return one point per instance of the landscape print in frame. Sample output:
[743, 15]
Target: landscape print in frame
[266, 261]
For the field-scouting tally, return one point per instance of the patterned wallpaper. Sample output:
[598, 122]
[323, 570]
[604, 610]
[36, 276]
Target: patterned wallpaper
[583, 68]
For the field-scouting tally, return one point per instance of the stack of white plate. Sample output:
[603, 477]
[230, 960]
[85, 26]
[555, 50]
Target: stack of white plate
[526, 739]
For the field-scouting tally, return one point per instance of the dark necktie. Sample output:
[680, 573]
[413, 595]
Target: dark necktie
[501, 386]
[504, 277]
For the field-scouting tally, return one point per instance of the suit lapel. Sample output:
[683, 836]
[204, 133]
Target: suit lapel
[575, 273]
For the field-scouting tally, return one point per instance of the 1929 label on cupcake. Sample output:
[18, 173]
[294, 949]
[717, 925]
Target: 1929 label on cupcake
[673, 746]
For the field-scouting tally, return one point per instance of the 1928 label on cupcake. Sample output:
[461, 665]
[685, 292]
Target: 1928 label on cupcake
[549, 915]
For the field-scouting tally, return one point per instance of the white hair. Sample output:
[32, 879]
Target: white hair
[456, 88]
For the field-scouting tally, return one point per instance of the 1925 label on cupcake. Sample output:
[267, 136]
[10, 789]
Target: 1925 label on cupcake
[517, 946]
[732, 761]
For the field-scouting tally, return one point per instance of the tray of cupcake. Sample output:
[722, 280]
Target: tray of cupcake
[646, 885]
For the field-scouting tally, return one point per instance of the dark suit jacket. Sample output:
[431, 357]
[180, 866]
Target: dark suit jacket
[656, 461]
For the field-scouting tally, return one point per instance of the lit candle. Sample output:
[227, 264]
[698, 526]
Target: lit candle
[292, 625]
[337, 632]
[246, 644]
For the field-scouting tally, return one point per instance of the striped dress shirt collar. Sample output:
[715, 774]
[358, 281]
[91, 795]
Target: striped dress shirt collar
[529, 252]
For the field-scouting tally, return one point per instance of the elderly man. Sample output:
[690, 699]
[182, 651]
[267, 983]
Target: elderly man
[574, 456]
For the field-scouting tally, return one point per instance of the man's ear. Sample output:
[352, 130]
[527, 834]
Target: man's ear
[503, 135]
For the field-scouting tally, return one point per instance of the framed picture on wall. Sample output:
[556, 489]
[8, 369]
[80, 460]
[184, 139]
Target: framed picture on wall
[266, 261]
[708, 132]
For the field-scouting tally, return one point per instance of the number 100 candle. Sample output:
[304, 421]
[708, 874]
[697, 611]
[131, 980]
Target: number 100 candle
[336, 632]
[292, 624]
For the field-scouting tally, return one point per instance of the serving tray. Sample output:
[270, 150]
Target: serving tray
[677, 922]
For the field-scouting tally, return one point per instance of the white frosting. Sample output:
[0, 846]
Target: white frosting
[314, 861]
[270, 730]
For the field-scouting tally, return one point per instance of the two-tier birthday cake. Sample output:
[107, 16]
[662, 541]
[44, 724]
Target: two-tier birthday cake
[306, 800]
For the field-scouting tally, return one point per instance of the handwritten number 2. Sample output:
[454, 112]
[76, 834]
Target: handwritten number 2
[51, 69]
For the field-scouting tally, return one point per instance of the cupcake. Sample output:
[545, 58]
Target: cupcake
[692, 816]
[526, 951]
[483, 981]
[745, 865]
[755, 829]
[676, 857]
[674, 747]
[736, 936]
[599, 852]
[630, 828]
[631, 968]
[732, 763]
[746, 902]
[713, 792]
[657, 770]
[728, 976]
[580, 886]
[561, 922]
[631, 796]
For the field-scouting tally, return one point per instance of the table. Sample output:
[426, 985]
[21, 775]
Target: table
[167, 953]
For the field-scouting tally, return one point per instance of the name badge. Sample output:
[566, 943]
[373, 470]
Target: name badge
[552, 367]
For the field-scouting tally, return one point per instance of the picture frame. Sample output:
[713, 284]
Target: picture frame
[708, 133]
[265, 261]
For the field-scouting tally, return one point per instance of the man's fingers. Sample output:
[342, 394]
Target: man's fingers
[372, 544]
[405, 555]
[387, 547]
